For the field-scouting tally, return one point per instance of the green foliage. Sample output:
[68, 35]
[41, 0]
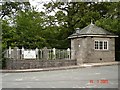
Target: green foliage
[10, 8]
[71, 15]
[29, 30]
[23, 26]
[7, 34]
[109, 24]
[33, 29]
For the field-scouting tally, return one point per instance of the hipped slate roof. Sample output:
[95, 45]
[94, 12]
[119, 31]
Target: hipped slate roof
[92, 30]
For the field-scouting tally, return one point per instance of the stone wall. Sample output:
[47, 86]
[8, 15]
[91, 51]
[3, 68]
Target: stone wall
[31, 64]
[93, 55]
[85, 52]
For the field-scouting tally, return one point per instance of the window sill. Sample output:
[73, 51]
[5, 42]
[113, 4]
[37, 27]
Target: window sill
[100, 50]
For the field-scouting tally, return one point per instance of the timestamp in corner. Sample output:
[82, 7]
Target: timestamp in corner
[99, 81]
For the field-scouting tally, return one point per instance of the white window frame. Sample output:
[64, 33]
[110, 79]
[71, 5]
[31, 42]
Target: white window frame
[102, 45]
[98, 44]
[107, 44]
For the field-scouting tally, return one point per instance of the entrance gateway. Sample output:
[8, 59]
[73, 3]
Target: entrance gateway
[92, 44]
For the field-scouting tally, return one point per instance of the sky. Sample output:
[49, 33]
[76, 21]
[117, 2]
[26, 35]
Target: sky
[39, 5]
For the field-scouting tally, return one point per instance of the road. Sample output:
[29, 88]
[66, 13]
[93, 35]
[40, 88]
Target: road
[90, 77]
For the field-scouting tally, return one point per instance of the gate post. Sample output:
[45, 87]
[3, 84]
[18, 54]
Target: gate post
[36, 52]
[22, 55]
[68, 52]
[45, 53]
[15, 53]
[9, 52]
[54, 53]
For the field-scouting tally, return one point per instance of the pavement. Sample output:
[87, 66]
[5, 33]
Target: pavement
[85, 65]
[90, 77]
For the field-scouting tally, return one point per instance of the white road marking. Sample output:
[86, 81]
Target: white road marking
[97, 73]
[19, 79]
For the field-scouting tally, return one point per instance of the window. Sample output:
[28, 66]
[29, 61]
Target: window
[96, 44]
[101, 45]
[105, 45]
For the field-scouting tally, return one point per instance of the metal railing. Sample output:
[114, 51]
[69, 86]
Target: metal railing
[45, 53]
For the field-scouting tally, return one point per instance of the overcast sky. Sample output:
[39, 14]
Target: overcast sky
[39, 3]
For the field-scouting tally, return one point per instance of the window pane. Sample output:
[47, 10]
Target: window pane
[101, 45]
[105, 45]
[96, 44]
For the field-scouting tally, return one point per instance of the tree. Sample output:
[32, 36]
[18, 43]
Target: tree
[7, 34]
[29, 29]
[8, 12]
[38, 29]
[71, 15]
[10, 8]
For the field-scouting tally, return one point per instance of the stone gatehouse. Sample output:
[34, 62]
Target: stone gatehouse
[92, 44]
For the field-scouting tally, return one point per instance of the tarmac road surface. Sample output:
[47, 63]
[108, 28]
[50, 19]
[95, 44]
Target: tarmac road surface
[90, 77]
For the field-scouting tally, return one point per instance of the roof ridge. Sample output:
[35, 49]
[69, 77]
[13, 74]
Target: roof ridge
[90, 26]
[92, 29]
